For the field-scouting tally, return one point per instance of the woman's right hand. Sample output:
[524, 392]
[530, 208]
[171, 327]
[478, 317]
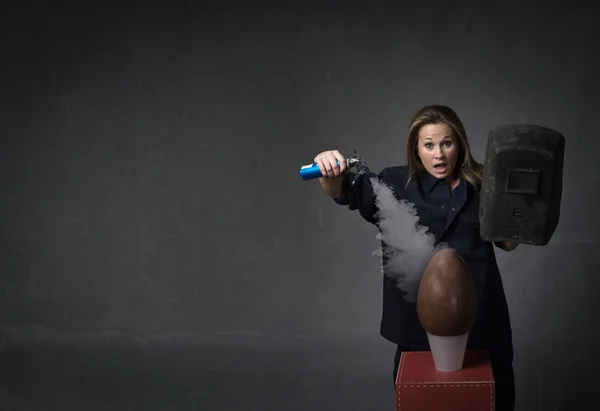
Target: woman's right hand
[328, 163]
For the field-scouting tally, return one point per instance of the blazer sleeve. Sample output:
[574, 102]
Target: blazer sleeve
[359, 196]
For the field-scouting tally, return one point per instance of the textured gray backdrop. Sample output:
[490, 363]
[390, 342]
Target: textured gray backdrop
[158, 250]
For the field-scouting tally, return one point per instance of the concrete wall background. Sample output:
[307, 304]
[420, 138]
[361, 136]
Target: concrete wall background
[149, 170]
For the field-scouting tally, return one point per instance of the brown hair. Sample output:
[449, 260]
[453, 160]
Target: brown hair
[466, 167]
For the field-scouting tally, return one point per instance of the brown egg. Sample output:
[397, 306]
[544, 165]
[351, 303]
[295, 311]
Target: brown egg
[447, 299]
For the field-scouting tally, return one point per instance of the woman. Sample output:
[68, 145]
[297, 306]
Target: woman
[442, 179]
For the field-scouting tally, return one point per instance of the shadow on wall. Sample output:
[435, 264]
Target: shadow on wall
[552, 293]
[240, 374]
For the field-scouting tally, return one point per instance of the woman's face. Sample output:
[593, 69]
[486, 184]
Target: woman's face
[438, 149]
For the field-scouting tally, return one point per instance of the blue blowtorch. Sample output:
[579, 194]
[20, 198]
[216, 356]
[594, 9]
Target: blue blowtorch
[312, 171]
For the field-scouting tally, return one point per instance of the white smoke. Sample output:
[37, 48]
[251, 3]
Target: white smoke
[409, 245]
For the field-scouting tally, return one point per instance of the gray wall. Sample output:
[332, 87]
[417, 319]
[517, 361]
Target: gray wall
[149, 170]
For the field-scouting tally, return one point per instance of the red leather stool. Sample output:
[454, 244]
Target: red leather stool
[419, 386]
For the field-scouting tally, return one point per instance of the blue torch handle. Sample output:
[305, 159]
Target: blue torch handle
[311, 171]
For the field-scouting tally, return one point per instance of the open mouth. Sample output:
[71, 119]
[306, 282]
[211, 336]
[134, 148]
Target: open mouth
[440, 168]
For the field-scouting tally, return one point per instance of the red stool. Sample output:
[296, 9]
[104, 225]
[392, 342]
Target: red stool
[419, 386]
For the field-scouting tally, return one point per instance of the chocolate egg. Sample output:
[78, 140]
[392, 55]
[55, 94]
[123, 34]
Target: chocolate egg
[447, 299]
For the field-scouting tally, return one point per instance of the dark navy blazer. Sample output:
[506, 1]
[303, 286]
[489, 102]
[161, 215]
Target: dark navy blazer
[453, 219]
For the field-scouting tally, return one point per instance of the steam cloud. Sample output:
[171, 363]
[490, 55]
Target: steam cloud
[409, 246]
